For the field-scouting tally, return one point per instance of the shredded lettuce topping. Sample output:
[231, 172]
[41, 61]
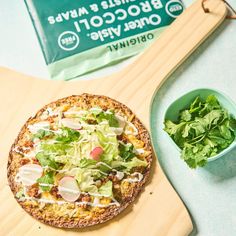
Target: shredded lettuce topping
[72, 152]
[46, 181]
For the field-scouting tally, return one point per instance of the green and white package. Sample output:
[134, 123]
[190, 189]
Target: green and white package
[80, 36]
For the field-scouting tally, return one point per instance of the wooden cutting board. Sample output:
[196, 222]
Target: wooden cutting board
[158, 211]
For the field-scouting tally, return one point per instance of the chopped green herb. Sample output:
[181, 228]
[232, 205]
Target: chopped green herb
[126, 151]
[46, 160]
[68, 135]
[203, 130]
[42, 134]
[46, 181]
[100, 116]
[20, 194]
[113, 122]
[86, 163]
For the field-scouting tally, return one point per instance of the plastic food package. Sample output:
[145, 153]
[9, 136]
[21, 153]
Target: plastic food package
[79, 36]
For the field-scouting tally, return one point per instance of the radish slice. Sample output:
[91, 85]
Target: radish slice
[68, 189]
[29, 173]
[96, 153]
[34, 128]
[70, 123]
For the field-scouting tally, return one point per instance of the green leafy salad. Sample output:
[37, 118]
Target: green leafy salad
[202, 130]
[83, 152]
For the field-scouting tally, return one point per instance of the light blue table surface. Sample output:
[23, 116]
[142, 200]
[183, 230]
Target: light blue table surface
[210, 192]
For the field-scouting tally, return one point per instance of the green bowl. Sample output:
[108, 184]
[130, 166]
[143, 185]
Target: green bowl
[184, 101]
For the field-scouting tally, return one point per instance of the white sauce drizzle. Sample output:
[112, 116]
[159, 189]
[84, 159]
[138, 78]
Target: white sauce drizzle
[38, 126]
[104, 123]
[122, 121]
[71, 123]
[19, 179]
[110, 135]
[50, 201]
[119, 175]
[95, 109]
[99, 171]
[108, 112]
[30, 154]
[15, 149]
[96, 200]
[103, 163]
[73, 112]
[135, 130]
[68, 190]
[46, 185]
[136, 179]
[51, 112]
[139, 151]
[117, 131]
[27, 170]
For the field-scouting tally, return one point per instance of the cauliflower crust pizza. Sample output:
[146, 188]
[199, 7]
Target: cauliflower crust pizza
[79, 161]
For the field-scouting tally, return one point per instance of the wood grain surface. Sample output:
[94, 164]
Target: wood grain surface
[158, 211]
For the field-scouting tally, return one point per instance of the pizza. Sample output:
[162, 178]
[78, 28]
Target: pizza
[79, 161]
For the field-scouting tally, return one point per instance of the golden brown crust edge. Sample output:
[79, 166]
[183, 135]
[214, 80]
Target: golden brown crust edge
[110, 212]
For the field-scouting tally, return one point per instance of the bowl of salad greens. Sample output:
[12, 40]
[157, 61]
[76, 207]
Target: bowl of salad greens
[203, 126]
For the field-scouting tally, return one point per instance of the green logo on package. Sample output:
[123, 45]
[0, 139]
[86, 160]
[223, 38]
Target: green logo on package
[68, 41]
[174, 8]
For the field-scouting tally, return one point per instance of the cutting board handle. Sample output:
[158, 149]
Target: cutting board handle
[184, 35]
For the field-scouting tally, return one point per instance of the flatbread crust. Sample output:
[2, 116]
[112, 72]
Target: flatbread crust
[53, 215]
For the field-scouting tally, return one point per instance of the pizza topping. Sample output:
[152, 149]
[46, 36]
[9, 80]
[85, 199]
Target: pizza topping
[44, 125]
[85, 198]
[135, 177]
[106, 189]
[24, 161]
[121, 120]
[74, 113]
[119, 175]
[71, 123]
[49, 113]
[67, 135]
[117, 131]
[20, 194]
[84, 149]
[96, 153]
[46, 182]
[29, 173]
[46, 160]
[33, 191]
[139, 151]
[68, 189]
[102, 203]
[54, 191]
[126, 151]
[131, 129]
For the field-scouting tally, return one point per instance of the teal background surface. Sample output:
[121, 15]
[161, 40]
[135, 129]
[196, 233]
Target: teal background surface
[210, 192]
